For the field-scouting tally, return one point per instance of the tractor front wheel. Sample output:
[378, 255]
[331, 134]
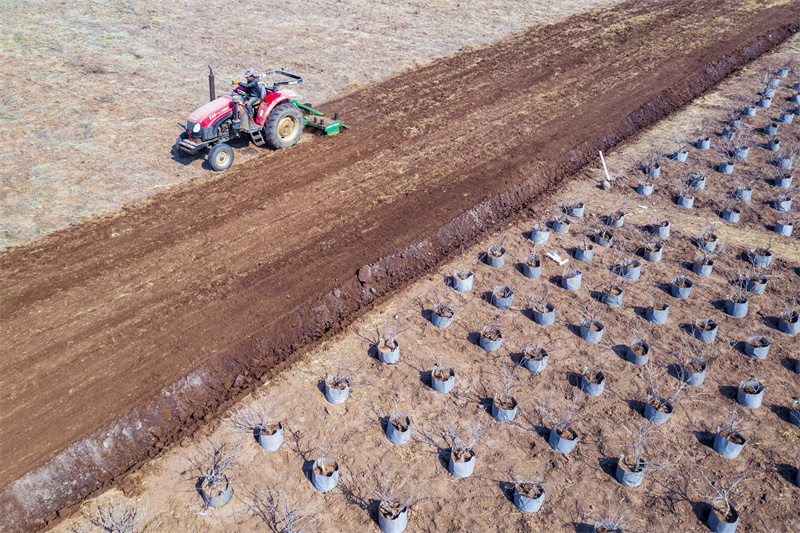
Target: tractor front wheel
[176, 148]
[284, 126]
[220, 156]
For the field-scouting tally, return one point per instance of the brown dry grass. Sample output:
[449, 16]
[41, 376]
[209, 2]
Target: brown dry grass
[581, 485]
[94, 94]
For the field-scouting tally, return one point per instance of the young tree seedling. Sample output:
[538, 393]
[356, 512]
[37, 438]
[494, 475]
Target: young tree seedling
[256, 417]
[722, 491]
[283, 511]
[113, 514]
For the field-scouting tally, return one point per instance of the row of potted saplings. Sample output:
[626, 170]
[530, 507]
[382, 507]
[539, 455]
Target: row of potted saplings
[688, 185]
[543, 312]
[731, 212]
[653, 168]
[629, 269]
[268, 431]
[324, 475]
[736, 145]
[657, 409]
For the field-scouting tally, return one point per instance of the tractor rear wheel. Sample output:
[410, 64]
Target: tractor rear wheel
[220, 156]
[284, 126]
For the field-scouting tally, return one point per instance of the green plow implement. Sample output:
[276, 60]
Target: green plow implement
[317, 119]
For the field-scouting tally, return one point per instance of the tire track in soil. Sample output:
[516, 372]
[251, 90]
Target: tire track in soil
[127, 333]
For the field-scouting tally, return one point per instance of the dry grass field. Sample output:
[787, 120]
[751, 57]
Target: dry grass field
[94, 95]
[580, 487]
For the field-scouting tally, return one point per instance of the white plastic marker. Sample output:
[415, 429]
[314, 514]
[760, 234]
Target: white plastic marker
[556, 258]
[605, 169]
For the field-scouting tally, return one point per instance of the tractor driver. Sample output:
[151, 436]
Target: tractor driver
[253, 91]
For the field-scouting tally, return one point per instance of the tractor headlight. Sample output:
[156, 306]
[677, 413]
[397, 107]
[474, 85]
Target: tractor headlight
[196, 128]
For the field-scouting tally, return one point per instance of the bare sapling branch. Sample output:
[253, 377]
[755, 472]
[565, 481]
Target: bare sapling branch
[594, 372]
[339, 376]
[569, 204]
[492, 331]
[614, 283]
[730, 427]
[495, 248]
[282, 511]
[542, 216]
[213, 463]
[443, 306]
[706, 256]
[636, 461]
[682, 143]
[590, 312]
[722, 491]
[440, 371]
[507, 377]
[389, 337]
[255, 417]
[654, 158]
[390, 489]
[613, 520]
[791, 308]
[685, 187]
[731, 202]
[650, 240]
[708, 233]
[737, 285]
[400, 420]
[726, 150]
[538, 300]
[654, 303]
[114, 514]
[665, 397]
[563, 411]
[532, 260]
[530, 486]
[696, 356]
[787, 218]
[325, 441]
[744, 139]
[462, 433]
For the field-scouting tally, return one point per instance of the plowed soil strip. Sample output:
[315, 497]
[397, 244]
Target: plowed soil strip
[222, 281]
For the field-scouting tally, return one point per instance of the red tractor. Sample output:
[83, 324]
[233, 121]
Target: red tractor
[277, 120]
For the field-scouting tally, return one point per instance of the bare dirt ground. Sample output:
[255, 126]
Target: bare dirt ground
[95, 98]
[163, 314]
[580, 487]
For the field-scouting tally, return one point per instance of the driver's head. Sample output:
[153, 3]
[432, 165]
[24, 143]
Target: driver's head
[249, 75]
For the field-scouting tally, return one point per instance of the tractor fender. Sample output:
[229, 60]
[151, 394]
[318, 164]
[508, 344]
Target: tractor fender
[268, 104]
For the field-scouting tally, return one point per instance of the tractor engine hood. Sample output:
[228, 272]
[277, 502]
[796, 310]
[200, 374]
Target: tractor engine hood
[212, 112]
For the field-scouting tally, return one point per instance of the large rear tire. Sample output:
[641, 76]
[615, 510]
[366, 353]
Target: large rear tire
[220, 157]
[284, 126]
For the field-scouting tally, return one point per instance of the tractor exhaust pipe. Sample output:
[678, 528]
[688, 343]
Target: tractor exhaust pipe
[211, 91]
